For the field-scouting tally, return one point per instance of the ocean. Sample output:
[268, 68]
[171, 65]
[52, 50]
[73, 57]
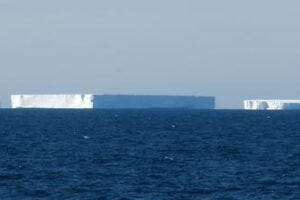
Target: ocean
[149, 154]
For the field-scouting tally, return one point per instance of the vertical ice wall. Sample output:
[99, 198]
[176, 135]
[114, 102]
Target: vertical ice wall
[52, 101]
[153, 101]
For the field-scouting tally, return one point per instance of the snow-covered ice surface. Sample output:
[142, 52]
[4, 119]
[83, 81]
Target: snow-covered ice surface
[272, 104]
[89, 101]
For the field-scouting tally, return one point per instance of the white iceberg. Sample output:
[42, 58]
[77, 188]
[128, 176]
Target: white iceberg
[52, 101]
[89, 101]
[272, 104]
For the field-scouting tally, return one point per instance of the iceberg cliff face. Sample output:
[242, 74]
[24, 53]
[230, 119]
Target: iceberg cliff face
[89, 101]
[272, 104]
[52, 101]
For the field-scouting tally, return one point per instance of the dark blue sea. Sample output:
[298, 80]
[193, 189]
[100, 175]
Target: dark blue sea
[149, 154]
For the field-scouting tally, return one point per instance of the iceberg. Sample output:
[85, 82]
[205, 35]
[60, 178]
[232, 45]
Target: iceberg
[90, 101]
[272, 104]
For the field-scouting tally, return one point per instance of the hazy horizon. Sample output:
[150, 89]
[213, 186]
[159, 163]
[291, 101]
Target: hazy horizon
[232, 50]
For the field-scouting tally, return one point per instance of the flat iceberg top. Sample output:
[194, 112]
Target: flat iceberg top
[272, 104]
[89, 101]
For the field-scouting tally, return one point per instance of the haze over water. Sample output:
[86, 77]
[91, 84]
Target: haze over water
[233, 50]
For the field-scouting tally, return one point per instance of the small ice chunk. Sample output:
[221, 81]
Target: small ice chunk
[169, 158]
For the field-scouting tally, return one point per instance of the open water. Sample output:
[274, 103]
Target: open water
[149, 154]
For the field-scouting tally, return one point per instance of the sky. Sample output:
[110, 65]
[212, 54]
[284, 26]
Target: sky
[233, 49]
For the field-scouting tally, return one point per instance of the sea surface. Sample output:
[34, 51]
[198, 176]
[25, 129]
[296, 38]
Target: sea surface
[149, 154]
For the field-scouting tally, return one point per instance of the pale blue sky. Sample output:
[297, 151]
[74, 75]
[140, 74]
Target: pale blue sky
[231, 49]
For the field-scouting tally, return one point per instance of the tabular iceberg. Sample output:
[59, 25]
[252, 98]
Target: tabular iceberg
[272, 104]
[89, 101]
